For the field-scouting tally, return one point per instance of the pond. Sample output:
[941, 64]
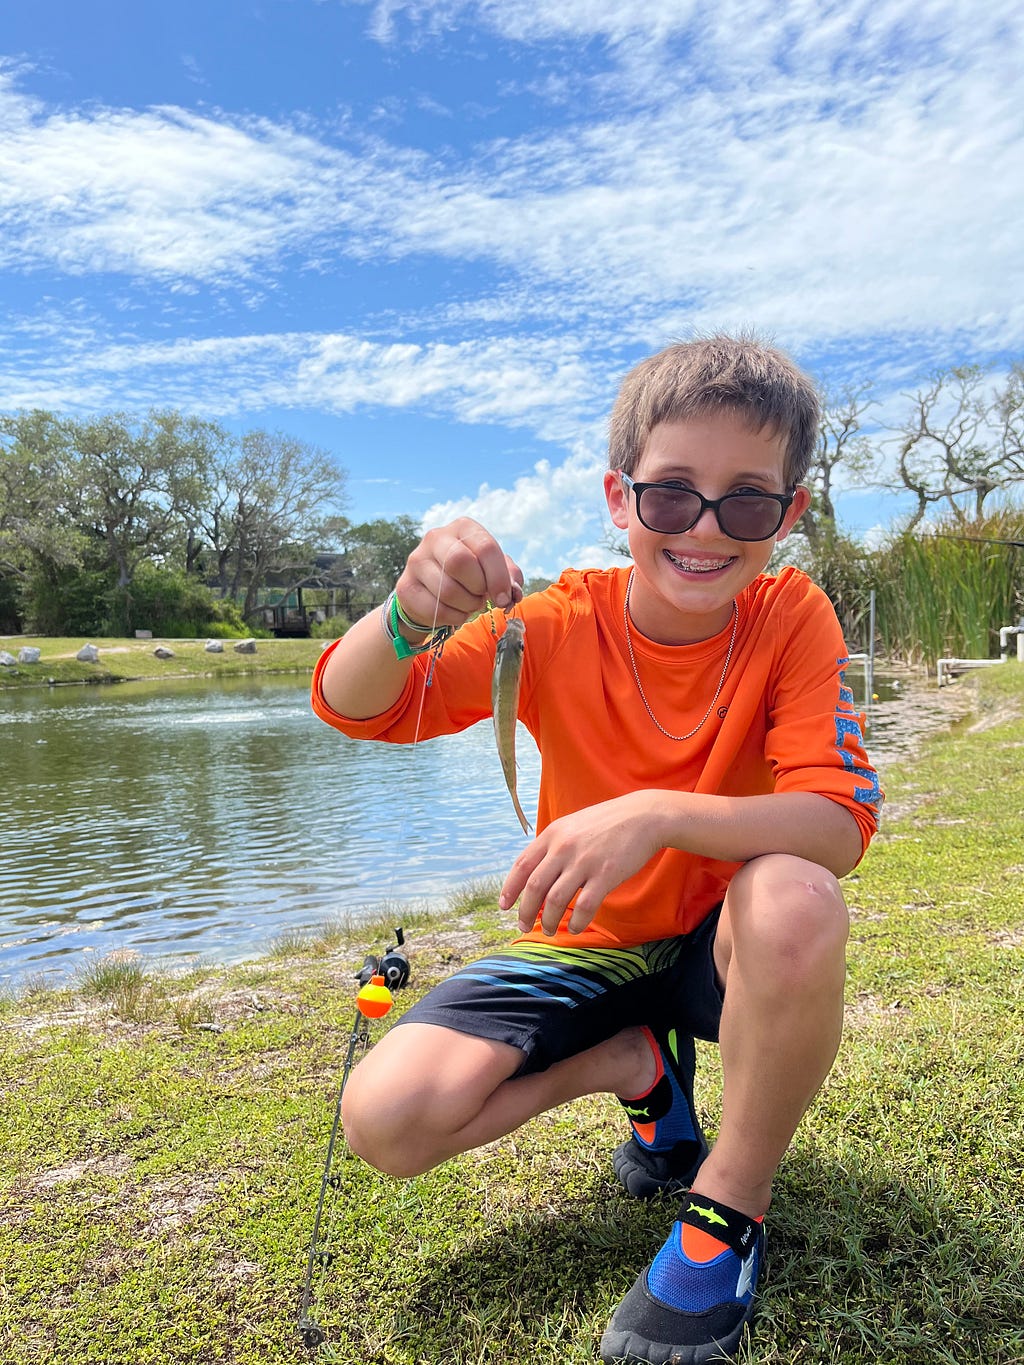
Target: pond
[203, 819]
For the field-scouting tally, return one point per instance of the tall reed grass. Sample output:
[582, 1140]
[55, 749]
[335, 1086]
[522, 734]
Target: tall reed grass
[940, 592]
[946, 592]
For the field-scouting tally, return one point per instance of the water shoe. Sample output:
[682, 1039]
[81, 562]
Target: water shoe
[667, 1147]
[693, 1302]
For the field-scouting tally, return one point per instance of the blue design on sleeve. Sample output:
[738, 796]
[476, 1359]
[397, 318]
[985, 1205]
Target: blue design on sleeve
[848, 725]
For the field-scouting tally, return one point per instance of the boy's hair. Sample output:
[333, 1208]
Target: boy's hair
[718, 373]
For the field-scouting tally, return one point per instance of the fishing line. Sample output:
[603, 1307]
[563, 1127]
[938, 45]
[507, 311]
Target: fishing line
[379, 979]
[979, 540]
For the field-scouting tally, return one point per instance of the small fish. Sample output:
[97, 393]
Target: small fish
[508, 666]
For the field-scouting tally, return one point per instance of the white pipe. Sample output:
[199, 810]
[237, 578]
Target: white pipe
[871, 649]
[959, 665]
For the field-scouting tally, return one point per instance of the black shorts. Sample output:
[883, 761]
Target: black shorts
[552, 1002]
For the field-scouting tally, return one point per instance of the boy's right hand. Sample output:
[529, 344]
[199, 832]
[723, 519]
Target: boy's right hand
[454, 572]
[450, 576]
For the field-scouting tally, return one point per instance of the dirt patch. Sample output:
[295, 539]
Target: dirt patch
[440, 951]
[866, 1006]
[104, 649]
[157, 1010]
[1006, 938]
[106, 1167]
[1000, 715]
[172, 1202]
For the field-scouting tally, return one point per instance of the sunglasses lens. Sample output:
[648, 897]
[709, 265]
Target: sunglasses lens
[751, 518]
[669, 510]
[741, 516]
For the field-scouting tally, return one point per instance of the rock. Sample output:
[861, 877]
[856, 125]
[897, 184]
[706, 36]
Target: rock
[28, 654]
[214, 646]
[7, 660]
[245, 647]
[162, 652]
[88, 654]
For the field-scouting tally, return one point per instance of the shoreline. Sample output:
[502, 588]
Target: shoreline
[131, 660]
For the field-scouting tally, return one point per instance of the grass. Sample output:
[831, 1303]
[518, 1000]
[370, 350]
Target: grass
[947, 593]
[130, 660]
[160, 1155]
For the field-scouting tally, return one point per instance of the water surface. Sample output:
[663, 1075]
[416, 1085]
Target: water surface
[204, 818]
[207, 817]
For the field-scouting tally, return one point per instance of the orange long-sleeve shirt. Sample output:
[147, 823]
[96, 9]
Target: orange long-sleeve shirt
[784, 722]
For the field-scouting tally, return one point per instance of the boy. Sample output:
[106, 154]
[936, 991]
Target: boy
[703, 788]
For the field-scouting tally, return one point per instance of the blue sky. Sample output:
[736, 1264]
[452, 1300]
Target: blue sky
[431, 236]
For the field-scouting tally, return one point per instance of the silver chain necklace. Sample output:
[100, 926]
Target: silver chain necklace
[636, 676]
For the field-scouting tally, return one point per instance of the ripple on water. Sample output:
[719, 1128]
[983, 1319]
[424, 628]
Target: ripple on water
[211, 819]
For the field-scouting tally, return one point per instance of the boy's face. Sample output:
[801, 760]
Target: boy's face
[684, 583]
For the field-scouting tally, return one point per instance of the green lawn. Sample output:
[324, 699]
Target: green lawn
[162, 1140]
[127, 660]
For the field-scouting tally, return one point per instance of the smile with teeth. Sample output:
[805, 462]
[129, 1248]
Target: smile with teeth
[691, 565]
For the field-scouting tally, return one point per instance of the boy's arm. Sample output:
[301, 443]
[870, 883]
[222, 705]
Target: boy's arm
[590, 852]
[451, 575]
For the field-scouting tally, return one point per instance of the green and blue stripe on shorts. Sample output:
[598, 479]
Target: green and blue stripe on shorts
[553, 1001]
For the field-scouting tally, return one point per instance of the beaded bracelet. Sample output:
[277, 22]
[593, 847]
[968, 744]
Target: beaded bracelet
[391, 615]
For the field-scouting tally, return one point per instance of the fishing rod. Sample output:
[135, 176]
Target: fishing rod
[979, 540]
[379, 978]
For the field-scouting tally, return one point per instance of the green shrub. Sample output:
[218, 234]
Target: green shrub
[10, 606]
[169, 602]
[226, 621]
[331, 629]
[71, 602]
[844, 570]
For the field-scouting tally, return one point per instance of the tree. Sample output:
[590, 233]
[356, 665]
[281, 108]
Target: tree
[138, 481]
[375, 555]
[38, 494]
[285, 497]
[962, 442]
[41, 542]
[841, 445]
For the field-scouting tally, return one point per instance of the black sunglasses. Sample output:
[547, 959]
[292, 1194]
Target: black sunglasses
[671, 508]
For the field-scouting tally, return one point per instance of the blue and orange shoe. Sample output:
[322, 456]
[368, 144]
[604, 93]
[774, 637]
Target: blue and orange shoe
[667, 1147]
[693, 1302]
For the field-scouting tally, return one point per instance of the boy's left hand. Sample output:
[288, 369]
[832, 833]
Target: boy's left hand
[586, 855]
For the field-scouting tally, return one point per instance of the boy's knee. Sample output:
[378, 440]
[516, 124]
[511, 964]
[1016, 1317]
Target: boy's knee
[377, 1123]
[789, 915]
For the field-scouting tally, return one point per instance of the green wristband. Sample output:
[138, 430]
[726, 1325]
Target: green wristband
[391, 615]
[396, 608]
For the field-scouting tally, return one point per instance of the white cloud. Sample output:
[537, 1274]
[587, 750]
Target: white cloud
[540, 384]
[846, 175]
[552, 506]
[819, 198]
[163, 193]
